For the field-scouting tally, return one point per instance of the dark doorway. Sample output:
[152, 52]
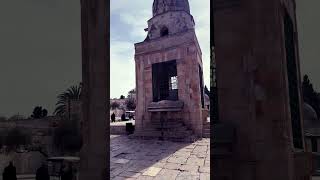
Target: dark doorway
[165, 81]
[164, 31]
[293, 81]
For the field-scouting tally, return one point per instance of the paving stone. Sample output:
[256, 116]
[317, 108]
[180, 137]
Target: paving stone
[167, 174]
[190, 168]
[195, 161]
[133, 158]
[177, 159]
[145, 178]
[204, 176]
[187, 176]
[129, 174]
[172, 166]
[207, 163]
[204, 169]
[152, 171]
[121, 161]
[123, 178]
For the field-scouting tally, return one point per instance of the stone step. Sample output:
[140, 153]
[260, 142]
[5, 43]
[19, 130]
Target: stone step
[180, 128]
[167, 126]
[156, 133]
[190, 138]
[166, 121]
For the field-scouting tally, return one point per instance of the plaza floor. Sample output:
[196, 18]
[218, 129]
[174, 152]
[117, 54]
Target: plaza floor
[159, 160]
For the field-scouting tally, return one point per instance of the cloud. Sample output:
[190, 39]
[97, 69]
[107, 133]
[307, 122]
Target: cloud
[128, 21]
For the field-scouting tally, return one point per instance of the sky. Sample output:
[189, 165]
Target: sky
[40, 47]
[127, 23]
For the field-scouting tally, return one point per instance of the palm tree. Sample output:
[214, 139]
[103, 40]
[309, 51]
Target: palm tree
[72, 93]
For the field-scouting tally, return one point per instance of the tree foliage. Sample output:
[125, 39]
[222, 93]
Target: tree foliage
[131, 93]
[131, 104]
[122, 97]
[114, 105]
[72, 93]
[38, 112]
[310, 96]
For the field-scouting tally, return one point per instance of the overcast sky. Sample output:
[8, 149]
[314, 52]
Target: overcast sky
[128, 21]
[40, 50]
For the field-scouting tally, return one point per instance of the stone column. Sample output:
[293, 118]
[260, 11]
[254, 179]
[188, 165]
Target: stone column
[254, 140]
[95, 92]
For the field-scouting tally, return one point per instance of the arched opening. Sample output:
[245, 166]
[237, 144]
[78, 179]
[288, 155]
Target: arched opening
[164, 31]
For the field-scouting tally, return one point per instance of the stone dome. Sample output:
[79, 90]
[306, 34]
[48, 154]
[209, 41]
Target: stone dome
[309, 113]
[162, 6]
[310, 116]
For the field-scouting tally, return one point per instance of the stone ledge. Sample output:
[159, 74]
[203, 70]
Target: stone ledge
[165, 105]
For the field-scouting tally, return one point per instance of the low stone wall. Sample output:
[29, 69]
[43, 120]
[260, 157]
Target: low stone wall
[119, 128]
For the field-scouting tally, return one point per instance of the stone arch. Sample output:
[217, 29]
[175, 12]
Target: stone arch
[164, 31]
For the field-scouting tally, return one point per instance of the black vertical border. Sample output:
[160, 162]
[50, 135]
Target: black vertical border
[107, 2]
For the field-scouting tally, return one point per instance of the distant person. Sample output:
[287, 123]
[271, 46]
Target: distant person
[9, 172]
[113, 117]
[42, 173]
[123, 117]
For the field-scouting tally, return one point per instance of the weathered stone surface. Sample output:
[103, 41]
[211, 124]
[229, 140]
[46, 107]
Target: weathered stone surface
[94, 153]
[180, 44]
[250, 55]
[152, 171]
[162, 6]
[172, 162]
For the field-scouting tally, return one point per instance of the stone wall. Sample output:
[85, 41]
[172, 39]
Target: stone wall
[41, 134]
[183, 48]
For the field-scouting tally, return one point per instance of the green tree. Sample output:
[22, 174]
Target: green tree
[72, 93]
[122, 97]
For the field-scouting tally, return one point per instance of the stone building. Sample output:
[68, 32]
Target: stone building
[169, 78]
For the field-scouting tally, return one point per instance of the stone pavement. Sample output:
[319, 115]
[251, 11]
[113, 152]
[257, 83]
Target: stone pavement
[159, 160]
